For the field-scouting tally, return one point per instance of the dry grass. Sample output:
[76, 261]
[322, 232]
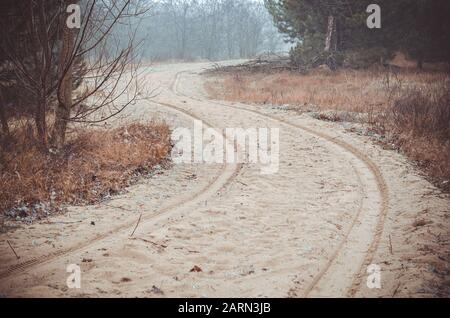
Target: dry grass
[417, 121]
[349, 90]
[408, 107]
[94, 164]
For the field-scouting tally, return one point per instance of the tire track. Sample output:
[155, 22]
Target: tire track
[373, 168]
[46, 258]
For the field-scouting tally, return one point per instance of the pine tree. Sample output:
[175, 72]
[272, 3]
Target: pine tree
[420, 28]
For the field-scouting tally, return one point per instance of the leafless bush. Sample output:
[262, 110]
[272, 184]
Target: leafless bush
[417, 121]
[422, 111]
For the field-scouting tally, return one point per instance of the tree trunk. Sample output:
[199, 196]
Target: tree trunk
[63, 109]
[331, 40]
[45, 47]
[3, 119]
[41, 122]
[420, 63]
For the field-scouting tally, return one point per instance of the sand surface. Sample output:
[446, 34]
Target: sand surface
[338, 204]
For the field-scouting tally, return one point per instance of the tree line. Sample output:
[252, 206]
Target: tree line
[208, 29]
[336, 31]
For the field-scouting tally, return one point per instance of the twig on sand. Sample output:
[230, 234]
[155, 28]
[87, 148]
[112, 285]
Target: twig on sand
[118, 207]
[18, 257]
[63, 222]
[148, 241]
[390, 245]
[396, 289]
[139, 220]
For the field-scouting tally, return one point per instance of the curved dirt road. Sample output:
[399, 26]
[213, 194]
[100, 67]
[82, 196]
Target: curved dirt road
[337, 205]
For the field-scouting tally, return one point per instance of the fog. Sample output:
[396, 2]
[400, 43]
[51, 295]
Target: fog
[205, 29]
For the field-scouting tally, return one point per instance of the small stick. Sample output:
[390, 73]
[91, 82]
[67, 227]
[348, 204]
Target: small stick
[118, 207]
[63, 222]
[390, 245]
[18, 257]
[139, 220]
[396, 290]
[147, 241]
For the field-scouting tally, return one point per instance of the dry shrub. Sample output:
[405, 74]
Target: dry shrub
[422, 112]
[418, 123]
[94, 164]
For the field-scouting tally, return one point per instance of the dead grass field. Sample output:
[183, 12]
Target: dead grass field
[349, 90]
[94, 164]
[409, 109]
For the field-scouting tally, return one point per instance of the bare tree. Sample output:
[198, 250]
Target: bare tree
[74, 75]
[110, 73]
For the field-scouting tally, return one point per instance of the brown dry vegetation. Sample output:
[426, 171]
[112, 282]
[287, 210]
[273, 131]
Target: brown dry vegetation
[349, 90]
[410, 109]
[93, 164]
[417, 121]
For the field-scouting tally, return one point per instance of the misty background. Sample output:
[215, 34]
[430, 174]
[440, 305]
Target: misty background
[205, 29]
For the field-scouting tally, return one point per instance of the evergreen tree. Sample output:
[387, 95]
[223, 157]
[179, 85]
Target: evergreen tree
[420, 28]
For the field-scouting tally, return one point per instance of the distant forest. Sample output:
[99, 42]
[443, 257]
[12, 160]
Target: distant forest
[208, 29]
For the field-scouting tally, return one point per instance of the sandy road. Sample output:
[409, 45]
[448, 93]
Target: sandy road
[309, 230]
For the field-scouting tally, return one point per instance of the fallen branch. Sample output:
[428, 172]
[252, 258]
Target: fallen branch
[139, 220]
[390, 245]
[148, 241]
[18, 257]
[258, 65]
